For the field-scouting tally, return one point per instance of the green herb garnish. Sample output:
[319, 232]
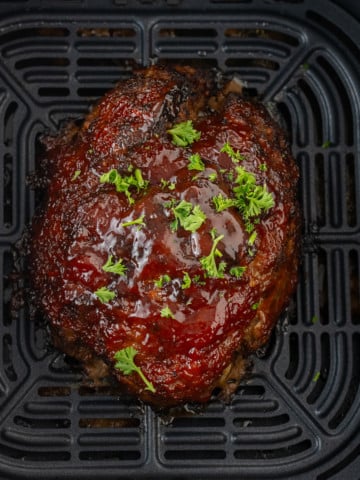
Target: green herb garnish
[114, 267]
[222, 203]
[209, 263]
[126, 364]
[252, 239]
[105, 295]
[316, 377]
[184, 134]
[252, 199]
[76, 175]
[189, 216]
[186, 281]
[235, 156]
[167, 183]
[195, 163]
[237, 272]
[166, 312]
[161, 280]
[212, 177]
[138, 221]
[123, 183]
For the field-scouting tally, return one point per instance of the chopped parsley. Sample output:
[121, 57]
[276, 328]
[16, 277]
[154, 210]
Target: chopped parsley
[138, 221]
[125, 363]
[212, 177]
[186, 281]
[189, 216]
[76, 175]
[263, 167]
[195, 163]
[252, 238]
[104, 294]
[184, 134]
[235, 156]
[314, 319]
[251, 199]
[222, 203]
[167, 183]
[238, 271]
[166, 312]
[114, 267]
[208, 263]
[161, 280]
[123, 183]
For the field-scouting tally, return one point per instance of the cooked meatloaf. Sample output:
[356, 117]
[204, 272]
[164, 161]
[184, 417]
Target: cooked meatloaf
[167, 244]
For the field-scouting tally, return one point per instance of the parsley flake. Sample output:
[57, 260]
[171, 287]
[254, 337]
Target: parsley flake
[186, 281]
[166, 312]
[235, 156]
[184, 134]
[209, 263]
[125, 363]
[114, 267]
[212, 177]
[161, 280]
[222, 203]
[167, 183]
[105, 295]
[76, 175]
[123, 183]
[189, 216]
[195, 163]
[138, 221]
[238, 271]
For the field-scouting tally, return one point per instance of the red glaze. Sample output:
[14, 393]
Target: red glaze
[80, 226]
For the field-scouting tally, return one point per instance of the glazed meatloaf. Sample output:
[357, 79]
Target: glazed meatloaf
[167, 244]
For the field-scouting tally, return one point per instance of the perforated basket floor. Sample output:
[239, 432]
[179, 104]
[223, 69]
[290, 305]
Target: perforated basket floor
[298, 417]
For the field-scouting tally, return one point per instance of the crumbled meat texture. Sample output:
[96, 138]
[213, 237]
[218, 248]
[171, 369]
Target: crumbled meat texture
[217, 321]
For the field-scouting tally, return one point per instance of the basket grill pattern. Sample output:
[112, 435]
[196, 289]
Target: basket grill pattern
[298, 417]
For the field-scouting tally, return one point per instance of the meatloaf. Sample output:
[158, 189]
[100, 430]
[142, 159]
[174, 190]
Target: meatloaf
[167, 243]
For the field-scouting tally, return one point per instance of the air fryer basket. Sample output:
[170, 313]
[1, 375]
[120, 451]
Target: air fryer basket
[298, 416]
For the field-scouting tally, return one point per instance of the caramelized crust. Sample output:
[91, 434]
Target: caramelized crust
[217, 321]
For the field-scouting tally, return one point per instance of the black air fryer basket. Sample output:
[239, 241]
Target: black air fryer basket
[298, 416]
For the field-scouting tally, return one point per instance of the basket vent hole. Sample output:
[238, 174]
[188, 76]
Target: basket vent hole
[353, 385]
[195, 454]
[252, 63]
[259, 422]
[187, 33]
[7, 358]
[8, 193]
[262, 34]
[106, 32]
[293, 356]
[41, 423]
[120, 455]
[320, 377]
[268, 454]
[54, 391]
[109, 422]
[54, 92]
[354, 286]
[350, 190]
